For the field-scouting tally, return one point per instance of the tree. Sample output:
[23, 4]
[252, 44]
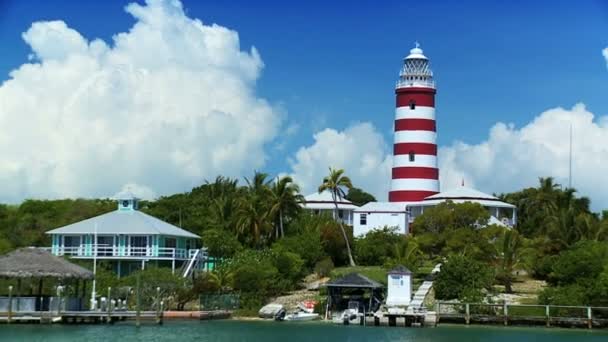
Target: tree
[406, 253]
[462, 278]
[286, 199]
[512, 255]
[359, 197]
[377, 246]
[253, 210]
[220, 243]
[334, 183]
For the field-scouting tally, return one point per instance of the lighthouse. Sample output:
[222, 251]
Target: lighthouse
[415, 174]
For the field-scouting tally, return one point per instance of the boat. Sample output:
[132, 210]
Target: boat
[272, 311]
[301, 316]
[350, 315]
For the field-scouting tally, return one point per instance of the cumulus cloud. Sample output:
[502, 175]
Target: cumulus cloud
[508, 160]
[605, 53]
[359, 149]
[513, 158]
[163, 106]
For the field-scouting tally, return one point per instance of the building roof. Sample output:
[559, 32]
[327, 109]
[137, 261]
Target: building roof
[463, 194]
[354, 280]
[382, 207]
[123, 222]
[324, 200]
[31, 262]
[400, 269]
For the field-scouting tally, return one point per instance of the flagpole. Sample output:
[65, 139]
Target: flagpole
[93, 295]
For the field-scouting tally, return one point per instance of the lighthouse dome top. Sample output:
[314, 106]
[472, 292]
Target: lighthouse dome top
[416, 53]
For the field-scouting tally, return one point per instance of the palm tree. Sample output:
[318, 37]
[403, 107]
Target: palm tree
[286, 199]
[407, 253]
[252, 219]
[253, 210]
[512, 255]
[334, 183]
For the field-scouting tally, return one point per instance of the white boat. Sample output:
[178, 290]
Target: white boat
[301, 316]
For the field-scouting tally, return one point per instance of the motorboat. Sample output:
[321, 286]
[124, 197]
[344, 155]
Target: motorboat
[350, 315]
[301, 316]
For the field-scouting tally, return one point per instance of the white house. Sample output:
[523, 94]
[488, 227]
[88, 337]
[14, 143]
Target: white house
[375, 215]
[501, 213]
[324, 202]
[380, 214]
[399, 287]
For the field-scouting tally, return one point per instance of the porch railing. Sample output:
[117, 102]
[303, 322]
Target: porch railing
[126, 251]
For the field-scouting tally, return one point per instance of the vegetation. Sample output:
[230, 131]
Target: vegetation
[266, 244]
[334, 183]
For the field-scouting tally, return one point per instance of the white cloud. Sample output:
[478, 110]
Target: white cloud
[605, 53]
[165, 105]
[512, 158]
[508, 160]
[359, 149]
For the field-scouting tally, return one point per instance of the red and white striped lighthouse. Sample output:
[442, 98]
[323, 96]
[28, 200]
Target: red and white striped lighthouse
[415, 174]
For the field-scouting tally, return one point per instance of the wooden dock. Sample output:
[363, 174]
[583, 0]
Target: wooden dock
[519, 314]
[92, 317]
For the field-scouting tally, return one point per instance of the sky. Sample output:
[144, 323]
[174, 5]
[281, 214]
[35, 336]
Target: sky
[161, 95]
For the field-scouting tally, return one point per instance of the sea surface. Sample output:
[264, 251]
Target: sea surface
[184, 331]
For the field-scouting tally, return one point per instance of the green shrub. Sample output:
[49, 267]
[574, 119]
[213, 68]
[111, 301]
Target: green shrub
[377, 246]
[324, 267]
[463, 278]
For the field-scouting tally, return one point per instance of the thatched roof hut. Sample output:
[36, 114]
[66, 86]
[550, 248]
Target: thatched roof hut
[31, 262]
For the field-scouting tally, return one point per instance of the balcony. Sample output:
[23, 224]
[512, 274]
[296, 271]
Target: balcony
[126, 252]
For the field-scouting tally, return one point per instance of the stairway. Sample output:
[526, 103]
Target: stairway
[194, 262]
[422, 292]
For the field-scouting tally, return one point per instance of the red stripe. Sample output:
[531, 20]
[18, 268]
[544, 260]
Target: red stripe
[417, 148]
[415, 125]
[416, 172]
[409, 195]
[419, 96]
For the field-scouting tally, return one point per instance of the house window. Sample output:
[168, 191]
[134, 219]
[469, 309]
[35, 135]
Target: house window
[341, 214]
[412, 156]
[363, 219]
[170, 243]
[71, 241]
[412, 104]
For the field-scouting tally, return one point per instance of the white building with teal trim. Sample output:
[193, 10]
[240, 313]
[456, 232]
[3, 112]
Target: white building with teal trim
[129, 239]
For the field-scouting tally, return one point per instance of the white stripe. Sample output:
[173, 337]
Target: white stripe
[419, 113]
[421, 160]
[428, 137]
[414, 184]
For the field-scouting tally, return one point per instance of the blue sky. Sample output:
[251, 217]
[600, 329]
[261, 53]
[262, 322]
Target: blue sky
[332, 64]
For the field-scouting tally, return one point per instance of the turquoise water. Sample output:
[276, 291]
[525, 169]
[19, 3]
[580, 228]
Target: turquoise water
[285, 332]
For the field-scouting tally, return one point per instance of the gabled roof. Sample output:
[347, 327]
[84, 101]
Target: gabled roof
[324, 200]
[123, 222]
[354, 280]
[400, 269]
[382, 207]
[30, 262]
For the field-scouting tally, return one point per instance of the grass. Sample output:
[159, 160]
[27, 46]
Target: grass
[377, 273]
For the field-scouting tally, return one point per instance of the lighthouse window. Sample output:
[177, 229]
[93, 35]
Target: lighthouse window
[412, 156]
[412, 104]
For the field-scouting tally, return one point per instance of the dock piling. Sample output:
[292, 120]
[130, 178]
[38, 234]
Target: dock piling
[10, 304]
[138, 302]
[589, 318]
[467, 316]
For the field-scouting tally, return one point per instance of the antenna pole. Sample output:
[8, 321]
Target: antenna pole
[570, 161]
